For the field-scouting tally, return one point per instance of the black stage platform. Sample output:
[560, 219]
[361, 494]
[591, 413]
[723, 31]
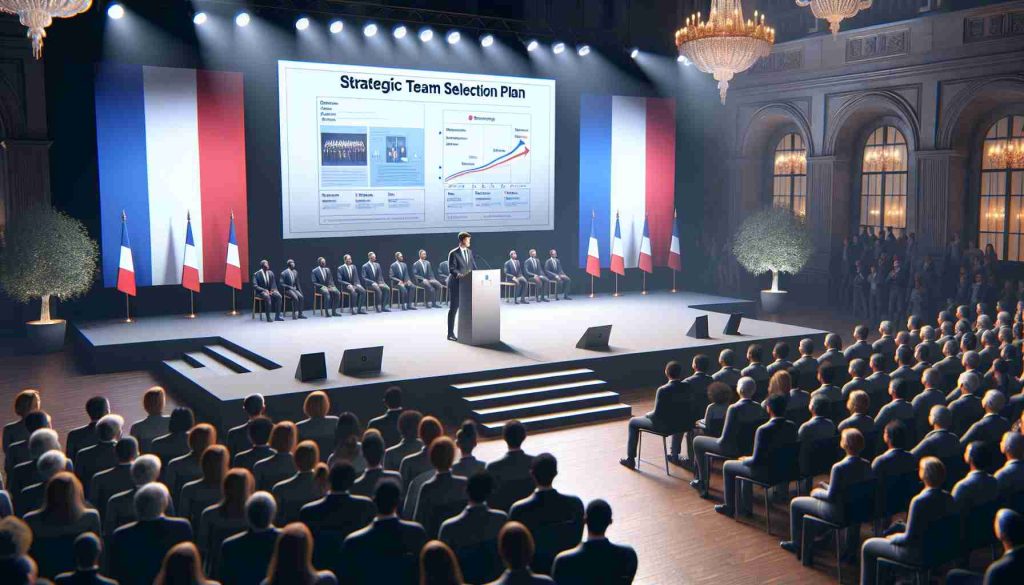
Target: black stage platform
[213, 361]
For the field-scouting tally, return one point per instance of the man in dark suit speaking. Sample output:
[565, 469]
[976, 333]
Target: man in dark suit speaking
[460, 264]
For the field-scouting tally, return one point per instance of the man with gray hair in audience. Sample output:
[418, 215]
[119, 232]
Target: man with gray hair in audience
[928, 340]
[967, 409]
[137, 550]
[885, 344]
[990, 428]
[120, 508]
[102, 455]
[244, 557]
[940, 441]
[744, 413]
[1011, 475]
[48, 465]
[26, 473]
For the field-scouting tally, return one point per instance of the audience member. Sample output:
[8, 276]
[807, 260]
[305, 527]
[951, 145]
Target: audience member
[833, 407]
[319, 424]
[727, 373]
[292, 560]
[548, 511]
[720, 397]
[859, 371]
[15, 540]
[438, 565]
[859, 405]
[259, 429]
[18, 452]
[1011, 475]
[137, 549]
[516, 546]
[31, 498]
[175, 443]
[989, 428]
[967, 409]
[336, 515]
[879, 381]
[597, 559]
[673, 409]
[940, 442]
[805, 369]
[25, 402]
[188, 467]
[346, 442]
[156, 424]
[932, 395]
[300, 489]
[978, 487]
[183, 565]
[197, 494]
[465, 440]
[26, 473]
[860, 349]
[373, 452]
[238, 437]
[245, 556]
[102, 455]
[62, 517]
[387, 549]
[85, 436]
[387, 423]
[86, 550]
[281, 465]
[755, 369]
[118, 478]
[511, 472]
[1009, 530]
[120, 508]
[226, 517]
[742, 415]
[899, 408]
[442, 496]
[408, 428]
[473, 533]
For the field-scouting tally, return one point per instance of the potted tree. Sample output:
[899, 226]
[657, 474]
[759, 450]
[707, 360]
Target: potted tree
[46, 254]
[773, 240]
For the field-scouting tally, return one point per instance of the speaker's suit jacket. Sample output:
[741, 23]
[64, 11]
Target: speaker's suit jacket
[457, 266]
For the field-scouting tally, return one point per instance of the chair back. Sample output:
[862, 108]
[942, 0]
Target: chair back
[678, 414]
[897, 491]
[745, 437]
[713, 427]
[818, 457]
[784, 464]
[480, 562]
[939, 544]
[860, 502]
[978, 525]
[551, 539]
[956, 470]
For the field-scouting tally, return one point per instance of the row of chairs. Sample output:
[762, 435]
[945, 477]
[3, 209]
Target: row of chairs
[419, 296]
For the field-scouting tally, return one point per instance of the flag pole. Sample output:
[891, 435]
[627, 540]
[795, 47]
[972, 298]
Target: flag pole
[616, 285]
[591, 286]
[673, 281]
[127, 309]
[644, 291]
[191, 305]
[233, 311]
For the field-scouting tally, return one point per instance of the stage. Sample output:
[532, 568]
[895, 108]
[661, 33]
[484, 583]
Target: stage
[212, 362]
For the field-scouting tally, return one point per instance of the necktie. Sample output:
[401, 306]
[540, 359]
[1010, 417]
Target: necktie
[465, 257]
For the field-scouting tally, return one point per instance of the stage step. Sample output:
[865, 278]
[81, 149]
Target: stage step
[515, 382]
[198, 359]
[552, 405]
[535, 393]
[561, 419]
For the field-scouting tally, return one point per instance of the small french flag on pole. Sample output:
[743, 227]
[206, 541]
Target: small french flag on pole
[593, 254]
[675, 259]
[233, 270]
[190, 265]
[618, 265]
[126, 267]
[646, 262]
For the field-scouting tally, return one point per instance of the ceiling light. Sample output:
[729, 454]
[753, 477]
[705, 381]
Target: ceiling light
[336, 27]
[242, 19]
[426, 34]
[453, 37]
[532, 45]
[302, 23]
[199, 18]
[583, 50]
[486, 40]
[634, 53]
[399, 31]
[115, 11]
[370, 30]
[558, 48]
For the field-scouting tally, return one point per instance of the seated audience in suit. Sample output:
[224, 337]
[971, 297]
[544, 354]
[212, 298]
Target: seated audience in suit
[465, 440]
[175, 443]
[413, 465]
[473, 534]
[137, 549]
[373, 452]
[387, 423]
[967, 409]
[905, 366]
[302, 488]
[950, 366]
[834, 356]
[62, 517]
[244, 557]
[292, 559]
[744, 413]
[183, 564]
[26, 473]
[385, 551]
[597, 559]
[1009, 530]
[860, 349]
[720, 397]
[978, 487]
[408, 429]
[516, 547]
[188, 467]
[259, 430]
[885, 345]
[84, 436]
[896, 460]
[1011, 474]
[238, 437]
[859, 404]
[834, 408]
[878, 392]
[899, 409]
[858, 371]
[336, 515]
[922, 361]
[118, 478]
[818, 428]
[698, 396]
[755, 369]
[197, 494]
[547, 509]
[102, 455]
[25, 402]
[932, 395]
[319, 424]
[928, 506]
[727, 373]
[970, 361]
[798, 405]
[443, 495]
[18, 452]
[87, 549]
[940, 442]
[511, 472]
[673, 407]
[827, 500]
[15, 539]
[438, 564]
[31, 498]
[156, 424]
[771, 436]
[991, 427]
[120, 509]
[346, 442]
[805, 369]
[226, 517]
[281, 465]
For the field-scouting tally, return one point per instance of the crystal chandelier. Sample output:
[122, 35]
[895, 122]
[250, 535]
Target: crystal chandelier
[834, 11]
[791, 163]
[39, 14]
[883, 158]
[1007, 154]
[724, 44]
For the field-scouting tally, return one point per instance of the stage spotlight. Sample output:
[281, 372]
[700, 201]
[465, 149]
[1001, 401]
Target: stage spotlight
[426, 34]
[532, 45]
[115, 11]
[242, 19]
[302, 23]
[486, 40]
[558, 48]
[453, 37]
[399, 31]
[199, 18]
[370, 30]
[634, 53]
[337, 26]
[583, 50]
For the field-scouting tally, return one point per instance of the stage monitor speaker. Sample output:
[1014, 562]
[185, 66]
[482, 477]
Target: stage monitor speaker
[312, 366]
[733, 326]
[595, 337]
[362, 361]
[699, 329]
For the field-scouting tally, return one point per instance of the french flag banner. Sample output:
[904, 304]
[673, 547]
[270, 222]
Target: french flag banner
[593, 253]
[233, 269]
[190, 260]
[618, 263]
[675, 257]
[171, 142]
[125, 264]
[645, 262]
[627, 165]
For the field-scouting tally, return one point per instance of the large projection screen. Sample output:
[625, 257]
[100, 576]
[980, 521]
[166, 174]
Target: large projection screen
[377, 151]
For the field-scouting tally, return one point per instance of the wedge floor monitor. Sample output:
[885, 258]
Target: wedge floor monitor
[312, 366]
[733, 326]
[699, 329]
[595, 337]
[362, 361]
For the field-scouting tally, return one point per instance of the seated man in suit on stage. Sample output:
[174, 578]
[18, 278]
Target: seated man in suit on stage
[265, 284]
[349, 280]
[673, 405]
[769, 438]
[533, 271]
[596, 560]
[293, 289]
[514, 273]
[373, 279]
[423, 275]
[401, 279]
[553, 270]
[743, 413]
[323, 283]
[545, 508]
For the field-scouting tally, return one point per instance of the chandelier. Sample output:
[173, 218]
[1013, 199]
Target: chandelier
[1008, 154]
[883, 158]
[791, 163]
[724, 44]
[39, 14]
[834, 11]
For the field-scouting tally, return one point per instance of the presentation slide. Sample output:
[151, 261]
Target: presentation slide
[377, 151]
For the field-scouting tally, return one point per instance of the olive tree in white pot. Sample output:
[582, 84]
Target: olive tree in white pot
[773, 240]
[47, 254]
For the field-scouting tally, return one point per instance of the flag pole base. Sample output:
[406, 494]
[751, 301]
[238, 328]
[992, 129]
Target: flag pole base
[592, 286]
[127, 309]
[674, 281]
[616, 293]
[233, 312]
[644, 291]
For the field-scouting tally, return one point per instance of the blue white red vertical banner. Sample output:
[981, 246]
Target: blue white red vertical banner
[233, 268]
[190, 260]
[675, 257]
[126, 264]
[593, 252]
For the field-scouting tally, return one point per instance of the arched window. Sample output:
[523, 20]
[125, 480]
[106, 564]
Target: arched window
[883, 183]
[1001, 210]
[789, 174]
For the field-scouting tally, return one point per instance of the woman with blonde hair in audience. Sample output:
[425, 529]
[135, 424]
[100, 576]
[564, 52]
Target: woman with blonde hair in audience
[319, 425]
[346, 443]
[226, 517]
[438, 565]
[281, 465]
[780, 383]
[25, 402]
[197, 495]
[292, 561]
[63, 516]
[183, 566]
[188, 467]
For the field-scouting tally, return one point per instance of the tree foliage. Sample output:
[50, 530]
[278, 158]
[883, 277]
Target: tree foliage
[773, 240]
[47, 252]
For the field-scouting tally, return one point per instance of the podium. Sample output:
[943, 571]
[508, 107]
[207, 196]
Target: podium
[480, 308]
